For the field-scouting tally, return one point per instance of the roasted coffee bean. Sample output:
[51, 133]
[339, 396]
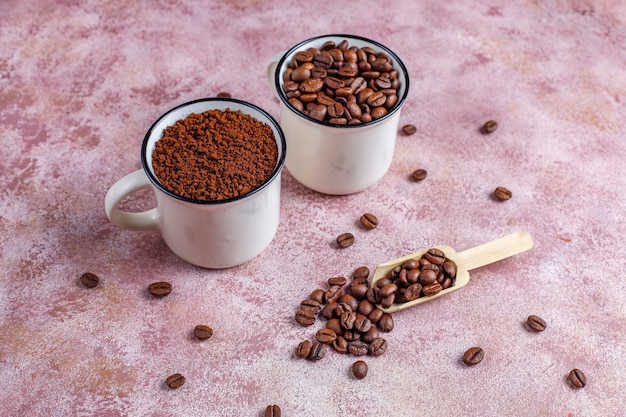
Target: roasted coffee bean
[342, 308]
[340, 281]
[577, 378]
[347, 320]
[388, 290]
[473, 355]
[328, 311]
[361, 272]
[89, 280]
[449, 268]
[310, 304]
[386, 302]
[536, 323]
[305, 317]
[384, 281]
[418, 175]
[351, 336]
[223, 94]
[362, 324]
[358, 348]
[370, 335]
[365, 307]
[447, 283]
[350, 300]
[273, 411]
[413, 292]
[332, 294]
[359, 291]
[490, 126]
[202, 332]
[409, 130]
[345, 239]
[379, 112]
[411, 264]
[325, 335]
[375, 315]
[385, 323]
[369, 221]
[427, 277]
[160, 289]
[318, 351]
[359, 369]
[335, 325]
[340, 344]
[378, 346]
[175, 381]
[432, 289]
[502, 193]
[318, 295]
[304, 349]
[435, 256]
[373, 295]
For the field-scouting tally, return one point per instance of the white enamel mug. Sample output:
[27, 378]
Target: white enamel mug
[337, 159]
[210, 234]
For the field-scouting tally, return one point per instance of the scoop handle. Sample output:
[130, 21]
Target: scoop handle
[494, 251]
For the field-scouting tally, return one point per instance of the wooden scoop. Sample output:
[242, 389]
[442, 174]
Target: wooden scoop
[467, 260]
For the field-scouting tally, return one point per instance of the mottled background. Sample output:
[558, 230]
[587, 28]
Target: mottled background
[82, 81]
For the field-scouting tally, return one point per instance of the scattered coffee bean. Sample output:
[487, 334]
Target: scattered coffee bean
[202, 332]
[223, 94]
[502, 194]
[318, 351]
[359, 369]
[272, 411]
[160, 289]
[473, 355]
[345, 239]
[326, 336]
[490, 126]
[577, 378]
[89, 280]
[369, 221]
[358, 348]
[339, 281]
[536, 323]
[409, 130]
[304, 349]
[305, 317]
[175, 381]
[361, 272]
[418, 175]
[378, 346]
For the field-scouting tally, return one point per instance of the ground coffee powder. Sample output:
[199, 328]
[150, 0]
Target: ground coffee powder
[215, 155]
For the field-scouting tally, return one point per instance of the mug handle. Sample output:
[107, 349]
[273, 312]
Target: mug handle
[145, 220]
[271, 69]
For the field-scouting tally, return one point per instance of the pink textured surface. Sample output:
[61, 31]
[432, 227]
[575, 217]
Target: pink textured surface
[81, 82]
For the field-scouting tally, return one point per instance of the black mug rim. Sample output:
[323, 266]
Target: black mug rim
[283, 98]
[276, 172]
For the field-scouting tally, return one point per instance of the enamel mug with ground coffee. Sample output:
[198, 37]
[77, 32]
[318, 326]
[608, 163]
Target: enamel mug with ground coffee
[336, 159]
[207, 233]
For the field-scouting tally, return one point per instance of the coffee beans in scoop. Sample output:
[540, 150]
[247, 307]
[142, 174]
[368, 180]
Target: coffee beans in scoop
[422, 277]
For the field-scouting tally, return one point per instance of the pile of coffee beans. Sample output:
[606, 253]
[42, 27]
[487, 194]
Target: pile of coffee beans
[353, 322]
[339, 84]
[415, 278]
